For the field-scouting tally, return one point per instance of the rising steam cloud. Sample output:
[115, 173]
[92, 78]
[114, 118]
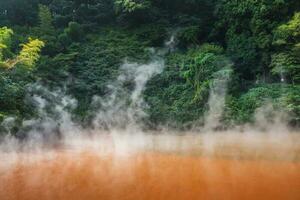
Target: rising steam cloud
[216, 102]
[124, 106]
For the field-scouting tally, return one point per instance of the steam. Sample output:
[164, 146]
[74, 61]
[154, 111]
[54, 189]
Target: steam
[216, 102]
[52, 120]
[124, 106]
[270, 121]
[172, 42]
[8, 123]
[53, 112]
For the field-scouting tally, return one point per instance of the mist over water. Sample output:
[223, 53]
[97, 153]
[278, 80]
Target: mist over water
[116, 158]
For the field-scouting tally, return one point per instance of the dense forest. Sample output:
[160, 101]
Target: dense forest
[78, 46]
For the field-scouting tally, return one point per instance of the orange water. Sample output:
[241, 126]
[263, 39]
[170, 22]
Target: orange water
[88, 175]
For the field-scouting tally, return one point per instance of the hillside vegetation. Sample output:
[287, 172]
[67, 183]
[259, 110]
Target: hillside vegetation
[78, 46]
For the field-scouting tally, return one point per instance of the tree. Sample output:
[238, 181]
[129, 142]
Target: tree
[202, 64]
[28, 56]
[247, 27]
[88, 12]
[5, 41]
[45, 20]
[131, 5]
[74, 31]
[46, 31]
[18, 12]
[16, 73]
[286, 61]
[30, 53]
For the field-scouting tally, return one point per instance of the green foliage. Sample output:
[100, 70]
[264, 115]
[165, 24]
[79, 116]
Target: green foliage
[13, 85]
[16, 74]
[248, 26]
[179, 95]
[45, 20]
[94, 63]
[243, 51]
[285, 98]
[74, 31]
[286, 65]
[89, 13]
[5, 36]
[131, 5]
[27, 56]
[53, 71]
[152, 34]
[18, 12]
[288, 33]
[46, 31]
[5, 42]
[189, 35]
[170, 98]
[30, 53]
[291, 102]
[286, 61]
[87, 40]
[12, 92]
[200, 66]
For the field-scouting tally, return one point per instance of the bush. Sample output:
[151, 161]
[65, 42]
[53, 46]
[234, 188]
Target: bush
[241, 109]
[74, 31]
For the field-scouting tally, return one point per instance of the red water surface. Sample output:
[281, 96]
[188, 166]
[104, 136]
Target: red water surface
[147, 176]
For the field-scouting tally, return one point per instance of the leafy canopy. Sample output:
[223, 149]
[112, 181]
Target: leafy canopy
[30, 53]
[131, 5]
[27, 57]
[286, 61]
[5, 40]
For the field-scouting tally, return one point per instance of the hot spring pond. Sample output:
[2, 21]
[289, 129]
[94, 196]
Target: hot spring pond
[185, 167]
